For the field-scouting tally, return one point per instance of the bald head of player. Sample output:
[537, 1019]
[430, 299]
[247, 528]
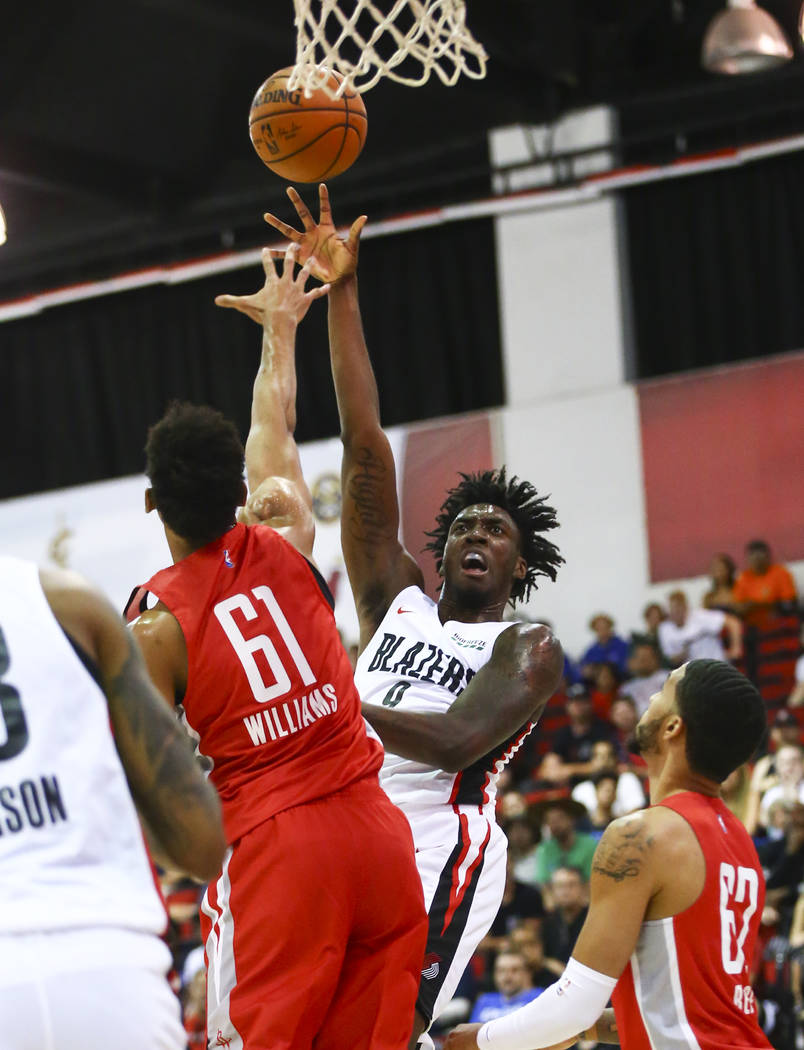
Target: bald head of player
[707, 720]
[489, 543]
[195, 462]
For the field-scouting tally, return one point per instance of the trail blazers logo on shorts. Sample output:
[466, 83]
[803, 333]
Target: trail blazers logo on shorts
[431, 966]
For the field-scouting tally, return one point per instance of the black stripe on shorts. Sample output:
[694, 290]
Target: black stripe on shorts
[442, 944]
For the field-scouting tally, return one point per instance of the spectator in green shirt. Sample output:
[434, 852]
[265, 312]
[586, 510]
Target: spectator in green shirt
[564, 846]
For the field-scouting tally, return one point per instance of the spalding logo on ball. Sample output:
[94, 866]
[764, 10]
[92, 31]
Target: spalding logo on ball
[306, 139]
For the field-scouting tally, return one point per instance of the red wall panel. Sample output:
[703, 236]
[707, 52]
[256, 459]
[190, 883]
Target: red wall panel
[723, 461]
[434, 456]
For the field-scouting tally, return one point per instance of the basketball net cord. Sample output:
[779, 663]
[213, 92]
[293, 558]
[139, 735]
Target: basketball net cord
[436, 37]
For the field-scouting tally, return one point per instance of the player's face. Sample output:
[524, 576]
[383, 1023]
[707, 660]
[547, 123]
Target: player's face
[662, 706]
[482, 554]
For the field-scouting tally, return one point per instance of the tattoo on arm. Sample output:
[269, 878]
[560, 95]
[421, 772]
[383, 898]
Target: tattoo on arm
[368, 524]
[623, 855]
[165, 780]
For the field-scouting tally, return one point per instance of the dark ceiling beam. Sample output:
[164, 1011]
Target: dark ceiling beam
[212, 15]
[38, 164]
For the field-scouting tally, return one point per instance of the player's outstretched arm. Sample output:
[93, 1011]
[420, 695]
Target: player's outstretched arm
[181, 807]
[278, 492]
[626, 876]
[378, 565]
[510, 690]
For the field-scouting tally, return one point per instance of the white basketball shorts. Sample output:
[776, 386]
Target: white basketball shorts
[460, 854]
[87, 990]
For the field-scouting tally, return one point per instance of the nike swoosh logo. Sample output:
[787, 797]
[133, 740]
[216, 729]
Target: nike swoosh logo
[401, 610]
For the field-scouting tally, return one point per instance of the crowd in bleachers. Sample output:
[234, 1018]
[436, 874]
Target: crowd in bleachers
[578, 771]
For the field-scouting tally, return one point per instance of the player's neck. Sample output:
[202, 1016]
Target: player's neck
[450, 609]
[676, 777]
[179, 547]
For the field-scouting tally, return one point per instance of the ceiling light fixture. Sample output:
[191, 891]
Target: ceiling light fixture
[2, 227]
[744, 39]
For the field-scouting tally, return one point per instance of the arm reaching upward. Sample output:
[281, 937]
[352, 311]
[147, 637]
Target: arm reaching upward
[378, 565]
[278, 493]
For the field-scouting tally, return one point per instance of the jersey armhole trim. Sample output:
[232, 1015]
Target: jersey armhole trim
[89, 664]
[322, 583]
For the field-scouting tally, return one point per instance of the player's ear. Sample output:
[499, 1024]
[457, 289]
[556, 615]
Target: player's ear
[521, 568]
[674, 726]
[149, 500]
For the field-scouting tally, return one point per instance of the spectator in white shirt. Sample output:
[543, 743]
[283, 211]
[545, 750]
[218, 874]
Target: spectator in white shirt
[694, 634]
[648, 675]
[629, 795]
[790, 767]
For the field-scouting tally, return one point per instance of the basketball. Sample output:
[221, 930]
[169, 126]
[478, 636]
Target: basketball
[306, 139]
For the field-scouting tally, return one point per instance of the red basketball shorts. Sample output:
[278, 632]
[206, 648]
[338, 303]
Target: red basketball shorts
[315, 929]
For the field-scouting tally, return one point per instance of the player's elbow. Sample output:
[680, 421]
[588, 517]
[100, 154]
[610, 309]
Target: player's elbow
[203, 857]
[458, 751]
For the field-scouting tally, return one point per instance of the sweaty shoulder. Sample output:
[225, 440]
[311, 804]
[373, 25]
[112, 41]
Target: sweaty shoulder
[162, 642]
[525, 646]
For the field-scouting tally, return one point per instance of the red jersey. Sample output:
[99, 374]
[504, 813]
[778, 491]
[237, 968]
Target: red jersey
[270, 693]
[686, 986]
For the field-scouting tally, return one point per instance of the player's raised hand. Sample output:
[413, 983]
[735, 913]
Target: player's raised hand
[284, 295]
[464, 1037]
[332, 257]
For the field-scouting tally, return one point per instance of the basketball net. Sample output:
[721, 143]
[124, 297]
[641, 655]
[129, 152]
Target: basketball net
[432, 33]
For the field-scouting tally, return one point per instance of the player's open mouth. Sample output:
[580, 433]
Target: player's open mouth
[473, 563]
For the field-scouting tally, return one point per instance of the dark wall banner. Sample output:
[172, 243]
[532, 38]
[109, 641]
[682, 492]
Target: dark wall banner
[723, 460]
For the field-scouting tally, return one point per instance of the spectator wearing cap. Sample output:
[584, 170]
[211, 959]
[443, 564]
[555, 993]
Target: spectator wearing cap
[513, 987]
[694, 634]
[647, 676]
[764, 586]
[608, 647]
[570, 758]
[628, 795]
[563, 923]
[563, 845]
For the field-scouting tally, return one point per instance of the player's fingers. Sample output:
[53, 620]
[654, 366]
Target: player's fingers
[324, 207]
[290, 260]
[304, 271]
[301, 209]
[282, 227]
[268, 264]
[317, 293]
[355, 230]
[225, 300]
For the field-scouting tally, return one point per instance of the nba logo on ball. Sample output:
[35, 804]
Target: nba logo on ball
[306, 139]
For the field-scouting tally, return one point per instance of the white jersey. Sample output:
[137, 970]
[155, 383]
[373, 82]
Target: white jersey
[416, 663]
[71, 849]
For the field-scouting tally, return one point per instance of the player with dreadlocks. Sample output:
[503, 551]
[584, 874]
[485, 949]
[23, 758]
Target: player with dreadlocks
[450, 688]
